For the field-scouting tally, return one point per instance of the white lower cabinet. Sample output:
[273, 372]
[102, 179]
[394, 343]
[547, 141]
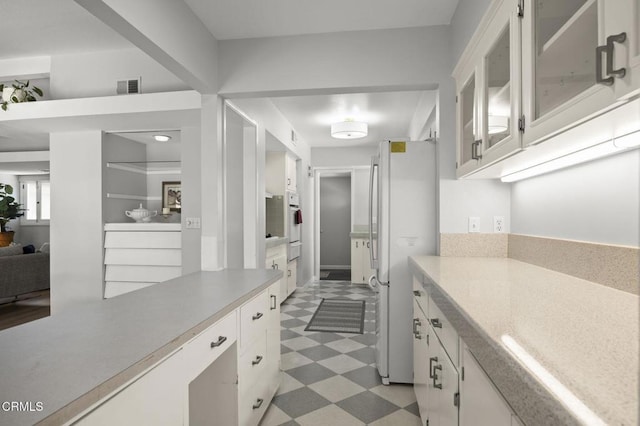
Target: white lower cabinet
[276, 258]
[481, 404]
[225, 375]
[292, 276]
[450, 386]
[360, 264]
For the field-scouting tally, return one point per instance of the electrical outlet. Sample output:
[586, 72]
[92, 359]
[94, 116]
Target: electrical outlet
[474, 224]
[498, 224]
[193, 222]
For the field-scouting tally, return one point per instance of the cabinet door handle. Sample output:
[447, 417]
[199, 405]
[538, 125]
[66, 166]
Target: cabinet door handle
[474, 150]
[599, 78]
[274, 300]
[257, 316]
[258, 403]
[288, 181]
[436, 377]
[416, 293]
[257, 360]
[431, 361]
[368, 244]
[435, 322]
[617, 38]
[221, 340]
[356, 244]
[289, 272]
[416, 323]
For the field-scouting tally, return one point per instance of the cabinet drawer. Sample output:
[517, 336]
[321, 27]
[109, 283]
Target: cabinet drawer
[254, 316]
[420, 295]
[445, 332]
[252, 407]
[251, 366]
[207, 346]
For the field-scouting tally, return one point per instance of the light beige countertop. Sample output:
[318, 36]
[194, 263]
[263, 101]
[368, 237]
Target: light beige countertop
[556, 346]
[275, 241]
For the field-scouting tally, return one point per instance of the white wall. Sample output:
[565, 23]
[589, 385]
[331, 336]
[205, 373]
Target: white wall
[335, 221]
[597, 202]
[343, 157]
[76, 218]
[360, 196]
[191, 197]
[464, 22]
[97, 73]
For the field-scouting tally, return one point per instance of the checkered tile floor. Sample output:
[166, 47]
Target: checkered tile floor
[330, 378]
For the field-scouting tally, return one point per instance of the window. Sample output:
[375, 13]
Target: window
[35, 197]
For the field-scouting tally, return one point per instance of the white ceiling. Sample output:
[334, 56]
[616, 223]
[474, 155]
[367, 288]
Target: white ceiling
[270, 18]
[388, 115]
[52, 27]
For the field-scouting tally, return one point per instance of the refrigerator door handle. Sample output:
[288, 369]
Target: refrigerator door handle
[374, 165]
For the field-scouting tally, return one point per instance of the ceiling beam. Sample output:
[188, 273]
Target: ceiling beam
[169, 32]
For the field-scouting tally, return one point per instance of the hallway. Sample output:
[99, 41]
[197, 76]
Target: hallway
[330, 378]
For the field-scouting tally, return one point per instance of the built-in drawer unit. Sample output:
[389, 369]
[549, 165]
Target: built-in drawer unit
[420, 295]
[445, 331]
[252, 365]
[207, 346]
[253, 319]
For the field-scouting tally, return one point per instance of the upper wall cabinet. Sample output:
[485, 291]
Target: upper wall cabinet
[579, 58]
[488, 91]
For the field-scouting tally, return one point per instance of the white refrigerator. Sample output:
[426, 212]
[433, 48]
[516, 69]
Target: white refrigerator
[402, 223]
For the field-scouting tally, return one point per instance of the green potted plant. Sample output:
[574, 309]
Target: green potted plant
[18, 92]
[9, 210]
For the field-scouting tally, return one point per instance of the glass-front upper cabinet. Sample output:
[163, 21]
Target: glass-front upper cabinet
[577, 61]
[488, 84]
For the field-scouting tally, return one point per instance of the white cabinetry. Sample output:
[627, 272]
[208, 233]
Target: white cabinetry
[481, 404]
[138, 255]
[573, 54]
[276, 258]
[488, 92]
[360, 264]
[292, 173]
[292, 276]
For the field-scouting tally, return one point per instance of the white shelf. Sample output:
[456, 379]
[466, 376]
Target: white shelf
[574, 26]
[148, 167]
[151, 226]
[132, 197]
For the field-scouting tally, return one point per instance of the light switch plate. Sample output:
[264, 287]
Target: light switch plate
[193, 222]
[474, 224]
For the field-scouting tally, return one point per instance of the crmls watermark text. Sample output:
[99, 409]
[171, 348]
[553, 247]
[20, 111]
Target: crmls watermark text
[21, 406]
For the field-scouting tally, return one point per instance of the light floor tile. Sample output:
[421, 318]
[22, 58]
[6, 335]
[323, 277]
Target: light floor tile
[298, 343]
[336, 388]
[400, 417]
[341, 363]
[401, 395]
[329, 415]
[274, 416]
[345, 345]
[293, 360]
[288, 383]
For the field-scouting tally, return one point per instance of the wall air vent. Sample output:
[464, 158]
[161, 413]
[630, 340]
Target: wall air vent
[126, 87]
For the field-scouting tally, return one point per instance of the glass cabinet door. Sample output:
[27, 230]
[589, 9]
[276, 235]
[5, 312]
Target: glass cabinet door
[565, 41]
[497, 110]
[468, 120]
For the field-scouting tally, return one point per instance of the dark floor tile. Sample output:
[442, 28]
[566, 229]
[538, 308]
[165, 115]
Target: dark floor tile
[310, 373]
[366, 376]
[300, 402]
[307, 305]
[293, 322]
[318, 353]
[367, 406]
[366, 355]
[288, 334]
[365, 339]
[325, 337]
[285, 350]
[413, 409]
[299, 313]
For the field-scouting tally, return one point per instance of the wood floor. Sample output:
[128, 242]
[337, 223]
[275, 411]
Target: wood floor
[28, 308]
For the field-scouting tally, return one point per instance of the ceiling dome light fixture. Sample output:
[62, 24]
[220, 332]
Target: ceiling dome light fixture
[162, 138]
[349, 130]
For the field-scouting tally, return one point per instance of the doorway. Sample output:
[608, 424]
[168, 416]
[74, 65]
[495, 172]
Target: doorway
[334, 223]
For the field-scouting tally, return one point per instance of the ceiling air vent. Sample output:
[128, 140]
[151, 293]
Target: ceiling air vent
[126, 87]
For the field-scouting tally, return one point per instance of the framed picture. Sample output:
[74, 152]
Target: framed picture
[172, 196]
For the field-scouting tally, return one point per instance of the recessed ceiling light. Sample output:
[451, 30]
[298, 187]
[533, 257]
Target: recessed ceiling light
[349, 130]
[161, 138]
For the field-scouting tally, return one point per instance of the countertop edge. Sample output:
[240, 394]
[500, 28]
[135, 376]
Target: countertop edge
[78, 406]
[526, 396]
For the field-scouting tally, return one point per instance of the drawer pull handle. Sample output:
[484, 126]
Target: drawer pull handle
[221, 340]
[257, 316]
[436, 377]
[416, 324]
[435, 322]
[273, 299]
[289, 272]
[257, 360]
[258, 403]
[431, 361]
[416, 293]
